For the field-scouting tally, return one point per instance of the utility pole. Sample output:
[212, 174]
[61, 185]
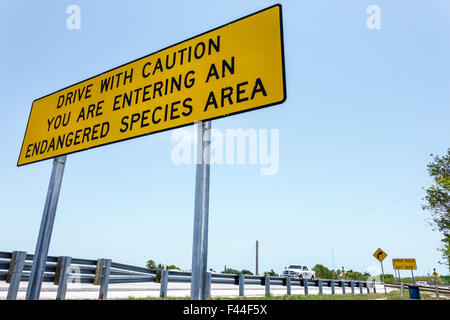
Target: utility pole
[332, 257]
[256, 257]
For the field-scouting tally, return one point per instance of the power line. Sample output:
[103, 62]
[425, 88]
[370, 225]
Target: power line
[364, 226]
[242, 265]
[345, 216]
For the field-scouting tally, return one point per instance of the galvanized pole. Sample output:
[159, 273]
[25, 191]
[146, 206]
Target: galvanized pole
[201, 213]
[288, 286]
[382, 271]
[14, 276]
[241, 285]
[412, 274]
[437, 291]
[205, 207]
[45, 231]
[256, 273]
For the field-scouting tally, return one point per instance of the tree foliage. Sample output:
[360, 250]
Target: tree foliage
[356, 275]
[172, 267]
[248, 272]
[438, 200]
[151, 264]
[230, 271]
[323, 272]
[270, 273]
[234, 271]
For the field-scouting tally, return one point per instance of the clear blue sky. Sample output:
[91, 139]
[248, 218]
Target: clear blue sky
[364, 110]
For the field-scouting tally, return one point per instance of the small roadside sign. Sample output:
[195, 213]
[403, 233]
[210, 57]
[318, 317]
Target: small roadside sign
[435, 275]
[404, 264]
[380, 255]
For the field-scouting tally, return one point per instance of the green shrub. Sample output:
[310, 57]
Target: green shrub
[323, 272]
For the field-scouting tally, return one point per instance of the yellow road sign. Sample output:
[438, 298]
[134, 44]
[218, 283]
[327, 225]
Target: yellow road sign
[231, 69]
[380, 255]
[404, 264]
[435, 274]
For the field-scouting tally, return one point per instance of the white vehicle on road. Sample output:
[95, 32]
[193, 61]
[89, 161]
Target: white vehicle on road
[299, 271]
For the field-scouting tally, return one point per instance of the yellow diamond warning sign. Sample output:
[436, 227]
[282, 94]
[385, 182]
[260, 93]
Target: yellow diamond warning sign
[380, 255]
[232, 69]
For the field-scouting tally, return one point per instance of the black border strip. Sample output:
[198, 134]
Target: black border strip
[184, 125]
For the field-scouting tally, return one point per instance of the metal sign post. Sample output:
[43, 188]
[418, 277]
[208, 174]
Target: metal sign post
[380, 255]
[257, 258]
[382, 272]
[45, 231]
[201, 213]
[435, 276]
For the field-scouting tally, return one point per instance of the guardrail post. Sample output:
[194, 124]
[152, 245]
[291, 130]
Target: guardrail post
[360, 287]
[352, 284]
[402, 289]
[267, 283]
[164, 280]
[98, 272]
[437, 293]
[208, 284]
[374, 287]
[61, 276]
[15, 273]
[241, 285]
[367, 286]
[105, 279]
[332, 286]
[320, 286]
[305, 286]
[288, 286]
[343, 286]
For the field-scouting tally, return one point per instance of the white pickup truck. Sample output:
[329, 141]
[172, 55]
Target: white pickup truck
[298, 271]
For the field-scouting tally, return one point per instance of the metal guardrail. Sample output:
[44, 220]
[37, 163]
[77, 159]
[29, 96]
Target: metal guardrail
[422, 288]
[16, 266]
